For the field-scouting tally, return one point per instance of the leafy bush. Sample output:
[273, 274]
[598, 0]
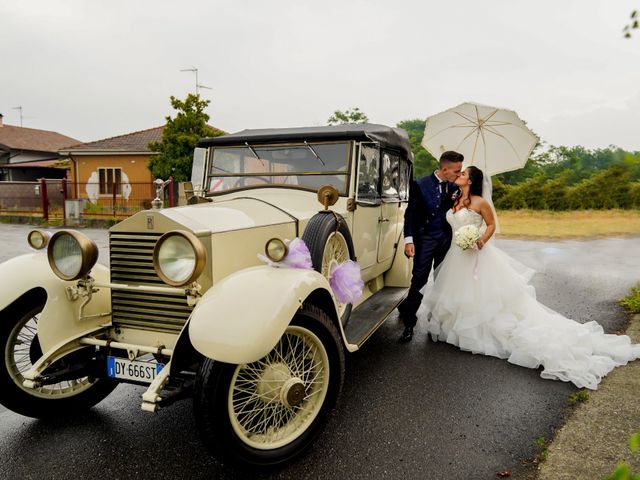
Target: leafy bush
[543, 450]
[580, 396]
[511, 199]
[607, 189]
[632, 301]
[604, 190]
[634, 194]
[624, 472]
[555, 191]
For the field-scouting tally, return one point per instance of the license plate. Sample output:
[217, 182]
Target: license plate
[136, 370]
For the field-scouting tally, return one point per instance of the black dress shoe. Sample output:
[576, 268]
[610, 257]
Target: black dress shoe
[407, 335]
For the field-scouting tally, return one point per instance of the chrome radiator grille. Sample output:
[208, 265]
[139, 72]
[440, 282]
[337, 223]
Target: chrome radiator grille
[131, 259]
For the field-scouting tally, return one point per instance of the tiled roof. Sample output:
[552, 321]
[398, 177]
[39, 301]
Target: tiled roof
[131, 142]
[137, 142]
[53, 163]
[22, 138]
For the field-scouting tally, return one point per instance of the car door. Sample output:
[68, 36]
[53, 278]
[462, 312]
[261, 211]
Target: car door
[366, 228]
[389, 221]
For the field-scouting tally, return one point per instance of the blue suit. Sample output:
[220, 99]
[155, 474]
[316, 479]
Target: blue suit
[425, 221]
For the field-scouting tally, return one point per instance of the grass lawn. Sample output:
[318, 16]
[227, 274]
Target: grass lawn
[573, 224]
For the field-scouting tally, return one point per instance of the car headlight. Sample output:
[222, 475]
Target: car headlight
[276, 250]
[38, 239]
[71, 254]
[179, 258]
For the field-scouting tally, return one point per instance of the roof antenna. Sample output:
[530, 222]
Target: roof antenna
[19, 107]
[198, 85]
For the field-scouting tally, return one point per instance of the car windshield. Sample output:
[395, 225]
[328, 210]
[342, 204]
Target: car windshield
[305, 165]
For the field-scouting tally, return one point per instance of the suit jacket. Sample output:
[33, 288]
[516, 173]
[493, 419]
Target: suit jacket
[427, 207]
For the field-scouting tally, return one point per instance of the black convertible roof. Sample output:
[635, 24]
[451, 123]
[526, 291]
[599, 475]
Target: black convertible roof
[390, 137]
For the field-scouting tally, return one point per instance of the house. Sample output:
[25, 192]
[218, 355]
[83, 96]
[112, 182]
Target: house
[27, 154]
[113, 167]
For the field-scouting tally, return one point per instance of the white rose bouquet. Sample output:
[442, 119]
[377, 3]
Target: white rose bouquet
[466, 237]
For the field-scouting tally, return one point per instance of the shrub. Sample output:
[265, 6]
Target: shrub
[632, 301]
[605, 190]
[511, 199]
[580, 396]
[634, 194]
[555, 192]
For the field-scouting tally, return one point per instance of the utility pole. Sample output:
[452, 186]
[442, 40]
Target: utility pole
[19, 107]
[198, 85]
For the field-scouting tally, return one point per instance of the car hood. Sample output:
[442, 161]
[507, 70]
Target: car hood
[300, 204]
[238, 211]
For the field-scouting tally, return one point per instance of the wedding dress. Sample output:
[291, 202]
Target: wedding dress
[482, 302]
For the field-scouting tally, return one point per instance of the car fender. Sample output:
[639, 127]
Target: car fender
[60, 318]
[242, 317]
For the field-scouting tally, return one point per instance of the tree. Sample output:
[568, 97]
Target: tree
[632, 25]
[180, 137]
[353, 115]
[423, 162]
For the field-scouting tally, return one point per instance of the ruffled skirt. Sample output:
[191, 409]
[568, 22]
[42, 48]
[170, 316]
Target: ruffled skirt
[482, 302]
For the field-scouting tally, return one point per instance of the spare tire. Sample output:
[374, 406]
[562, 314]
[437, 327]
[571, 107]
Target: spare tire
[328, 238]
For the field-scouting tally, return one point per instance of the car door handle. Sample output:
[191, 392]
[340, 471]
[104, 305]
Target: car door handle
[382, 220]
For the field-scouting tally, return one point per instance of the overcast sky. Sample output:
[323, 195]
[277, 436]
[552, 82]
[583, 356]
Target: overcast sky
[96, 69]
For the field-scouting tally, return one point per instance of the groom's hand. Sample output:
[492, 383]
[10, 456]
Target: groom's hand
[409, 250]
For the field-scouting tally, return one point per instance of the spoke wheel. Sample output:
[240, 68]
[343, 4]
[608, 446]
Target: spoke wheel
[20, 350]
[274, 407]
[336, 251]
[23, 350]
[329, 241]
[274, 400]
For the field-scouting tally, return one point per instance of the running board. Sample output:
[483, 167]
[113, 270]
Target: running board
[372, 313]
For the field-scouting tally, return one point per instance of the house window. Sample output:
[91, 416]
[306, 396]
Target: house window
[108, 178]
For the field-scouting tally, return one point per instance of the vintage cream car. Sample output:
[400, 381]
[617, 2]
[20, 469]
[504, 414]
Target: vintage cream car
[189, 309]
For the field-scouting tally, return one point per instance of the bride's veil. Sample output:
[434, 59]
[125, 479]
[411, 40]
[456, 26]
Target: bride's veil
[487, 190]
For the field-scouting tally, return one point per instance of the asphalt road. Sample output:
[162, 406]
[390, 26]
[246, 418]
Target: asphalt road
[422, 410]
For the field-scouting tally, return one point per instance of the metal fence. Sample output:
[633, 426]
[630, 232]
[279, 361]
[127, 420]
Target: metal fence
[61, 199]
[20, 198]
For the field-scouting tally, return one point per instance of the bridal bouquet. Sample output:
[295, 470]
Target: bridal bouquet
[466, 236]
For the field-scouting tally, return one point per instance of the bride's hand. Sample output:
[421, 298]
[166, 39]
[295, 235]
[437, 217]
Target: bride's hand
[479, 244]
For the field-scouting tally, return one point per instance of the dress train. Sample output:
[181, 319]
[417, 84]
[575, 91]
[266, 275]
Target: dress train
[482, 302]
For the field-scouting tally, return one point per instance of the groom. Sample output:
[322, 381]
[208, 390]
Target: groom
[427, 235]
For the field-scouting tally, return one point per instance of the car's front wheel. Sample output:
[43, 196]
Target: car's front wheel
[329, 241]
[268, 411]
[20, 349]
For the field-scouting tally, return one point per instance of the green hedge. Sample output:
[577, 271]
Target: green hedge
[610, 188]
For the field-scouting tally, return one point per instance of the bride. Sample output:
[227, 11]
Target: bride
[482, 302]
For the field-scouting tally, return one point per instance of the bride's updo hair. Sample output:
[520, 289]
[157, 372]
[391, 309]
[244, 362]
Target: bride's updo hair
[475, 176]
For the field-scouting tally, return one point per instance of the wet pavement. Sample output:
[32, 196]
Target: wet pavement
[421, 410]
